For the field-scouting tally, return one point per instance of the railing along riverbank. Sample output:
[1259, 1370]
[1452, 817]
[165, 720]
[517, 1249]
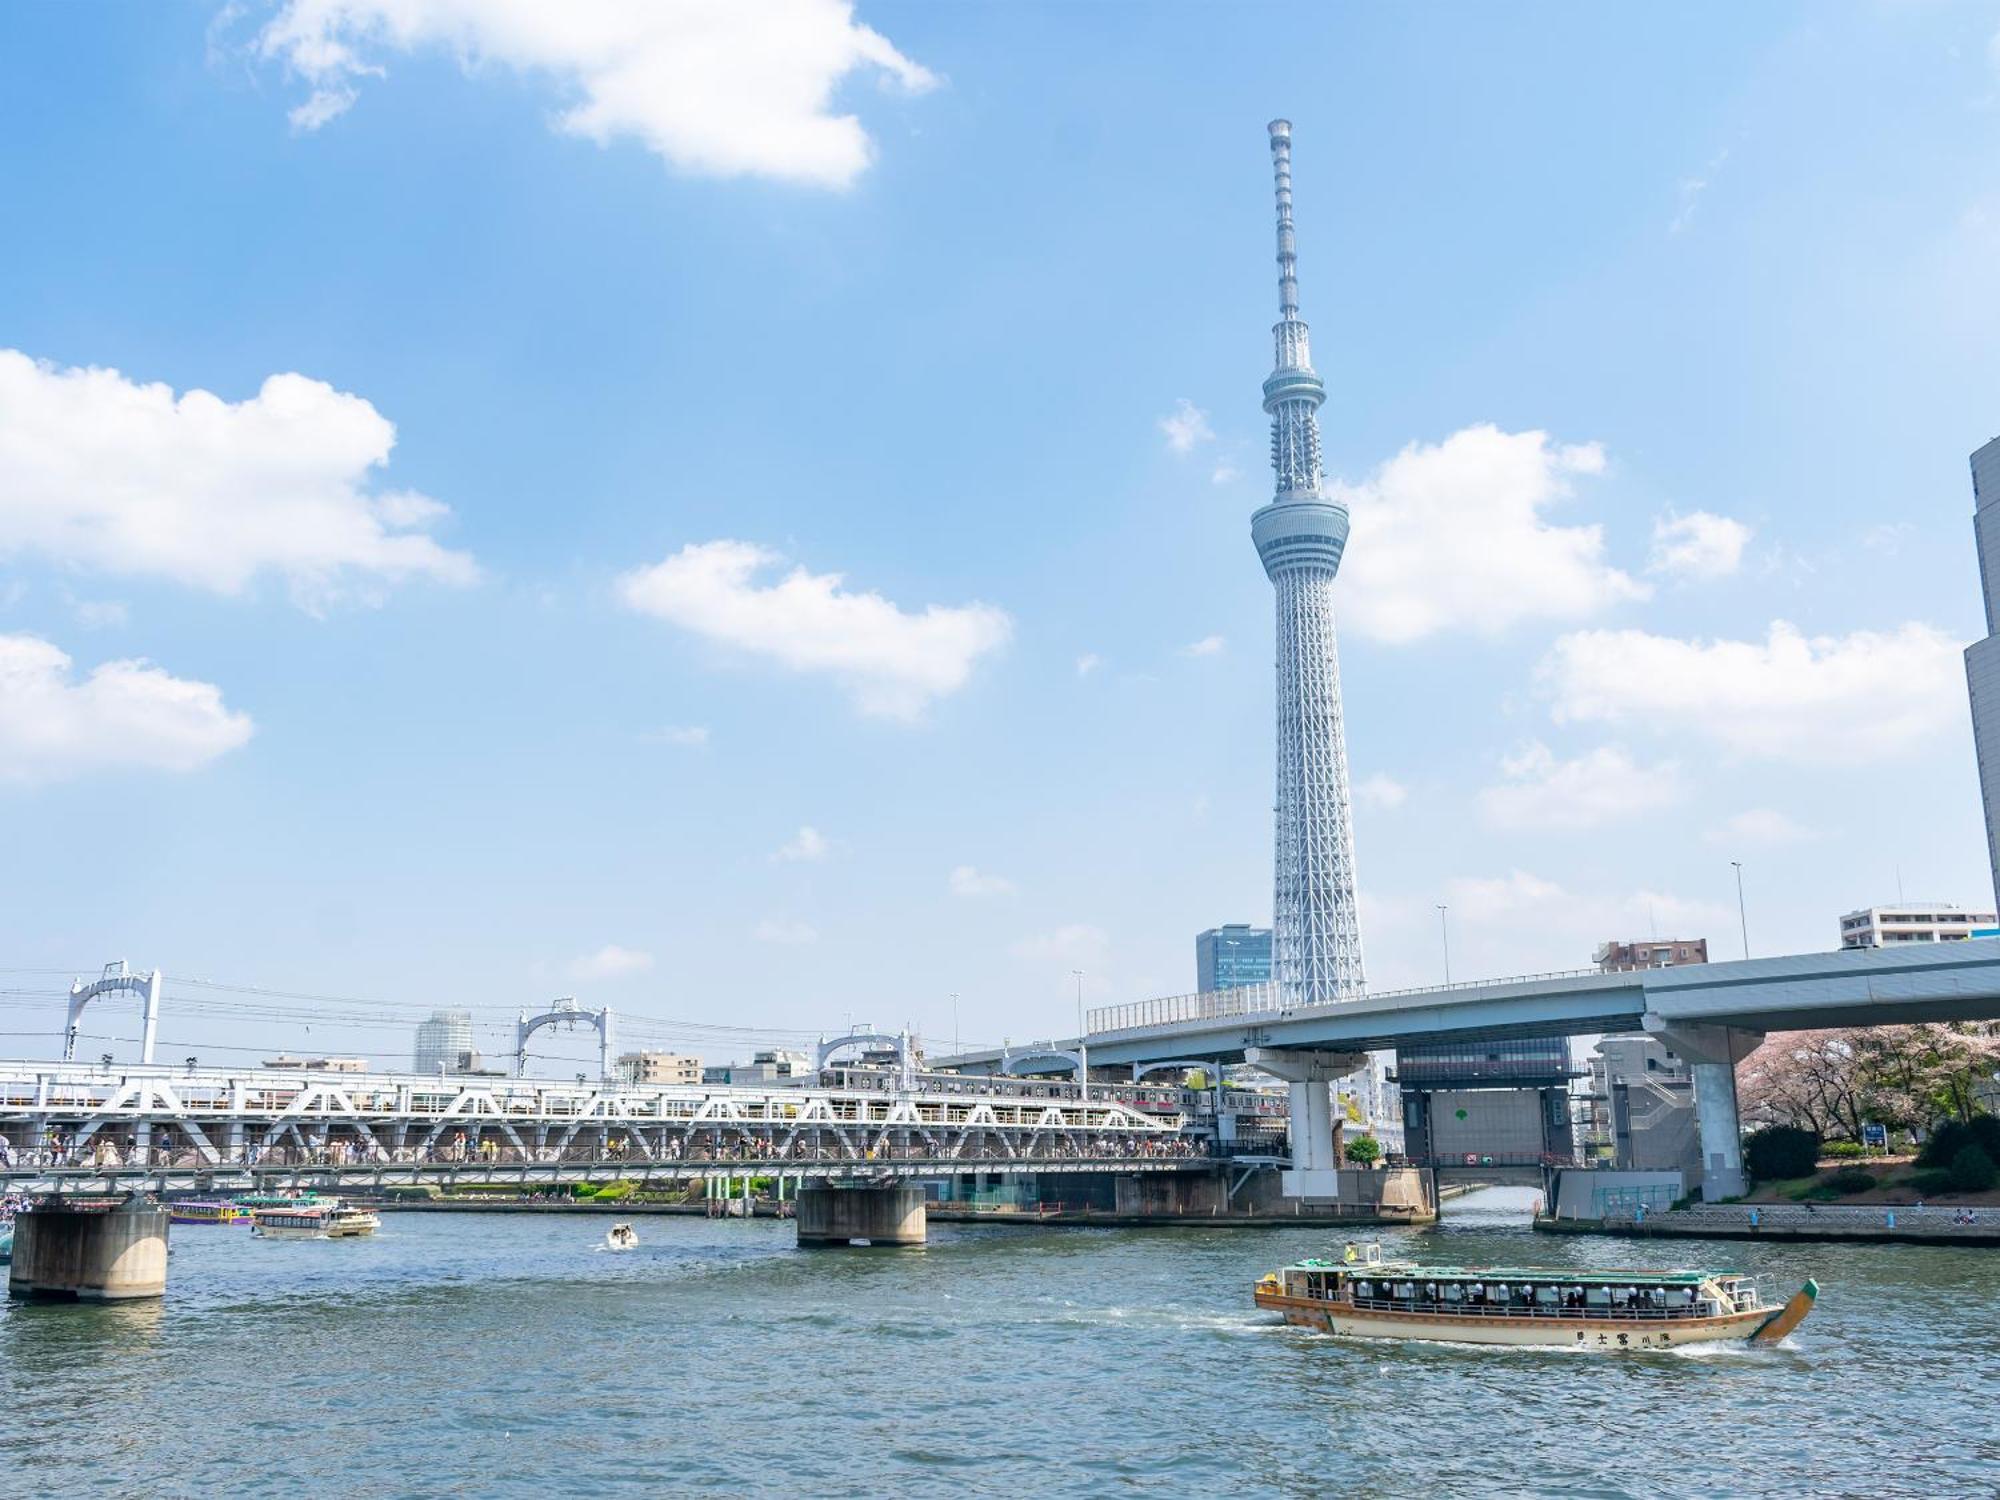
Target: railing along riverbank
[1889, 1223]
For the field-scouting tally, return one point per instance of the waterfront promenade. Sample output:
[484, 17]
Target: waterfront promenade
[1807, 1223]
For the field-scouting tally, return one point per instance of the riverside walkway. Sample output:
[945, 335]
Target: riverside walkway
[1893, 1223]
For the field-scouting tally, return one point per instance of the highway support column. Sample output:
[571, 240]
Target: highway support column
[90, 1250]
[1316, 1130]
[1712, 1053]
[864, 1214]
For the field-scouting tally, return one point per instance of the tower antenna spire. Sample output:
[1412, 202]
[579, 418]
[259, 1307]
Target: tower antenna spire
[1288, 258]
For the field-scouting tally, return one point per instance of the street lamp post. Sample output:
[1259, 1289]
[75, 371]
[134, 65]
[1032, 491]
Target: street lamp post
[954, 1023]
[1742, 912]
[1082, 1047]
[1444, 932]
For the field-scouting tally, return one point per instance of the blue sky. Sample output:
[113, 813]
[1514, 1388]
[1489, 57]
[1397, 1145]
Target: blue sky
[1655, 346]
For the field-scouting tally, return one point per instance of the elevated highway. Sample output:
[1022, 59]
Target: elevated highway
[1711, 1014]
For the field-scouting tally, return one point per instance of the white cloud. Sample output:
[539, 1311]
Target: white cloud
[99, 614]
[100, 472]
[806, 846]
[1087, 663]
[1077, 943]
[125, 714]
[1208, 645]
[1757, 826]
[1380, 791]
[1223, 473]
[1594, 789]
[1867, 696]
[784, 933]
[1520, 923]
[690, 736]
[969, 882]
[1699, 544]
[1186, 426]
[716, 88]
[611, 962]
[1453, 536]
[893, 663]
[1691, 189]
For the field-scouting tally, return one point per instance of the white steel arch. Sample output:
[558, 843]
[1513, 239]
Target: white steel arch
[565, 1013]
[117, 978]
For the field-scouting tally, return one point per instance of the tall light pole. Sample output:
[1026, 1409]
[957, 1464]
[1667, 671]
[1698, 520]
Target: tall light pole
[1742, 912]
[1082, 1046]
[955, 1046]
[1444, 932]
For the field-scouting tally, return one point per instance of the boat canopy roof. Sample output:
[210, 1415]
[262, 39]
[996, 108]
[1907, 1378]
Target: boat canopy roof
[1397, 1270]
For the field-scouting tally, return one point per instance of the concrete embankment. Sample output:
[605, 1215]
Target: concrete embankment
[1828, 1226]
[945, 1213]
[940, 1213]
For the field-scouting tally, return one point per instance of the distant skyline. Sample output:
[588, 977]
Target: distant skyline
[743, 518]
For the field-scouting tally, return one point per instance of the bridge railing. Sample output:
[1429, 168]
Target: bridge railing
[1167, 1010]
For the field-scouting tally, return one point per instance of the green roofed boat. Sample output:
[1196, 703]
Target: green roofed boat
[1364, 1296]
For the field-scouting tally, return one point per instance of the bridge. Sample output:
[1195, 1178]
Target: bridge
[1711, 1014]
[91, 1126]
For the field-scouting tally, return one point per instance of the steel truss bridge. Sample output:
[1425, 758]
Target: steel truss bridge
[95, 1128]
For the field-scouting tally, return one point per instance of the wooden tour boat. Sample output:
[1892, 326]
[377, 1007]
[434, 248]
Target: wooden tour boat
[1364, 1296]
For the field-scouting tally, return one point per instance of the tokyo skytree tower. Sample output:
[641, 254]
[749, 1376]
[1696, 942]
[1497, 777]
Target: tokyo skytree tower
[1316, 944]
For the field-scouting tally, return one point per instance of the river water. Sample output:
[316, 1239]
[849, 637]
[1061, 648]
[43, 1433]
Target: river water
[505, 1355]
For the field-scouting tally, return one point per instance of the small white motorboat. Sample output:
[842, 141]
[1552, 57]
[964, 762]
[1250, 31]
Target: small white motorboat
[621, 1237]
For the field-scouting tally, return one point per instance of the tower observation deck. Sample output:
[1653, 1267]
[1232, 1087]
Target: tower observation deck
[1300, 535]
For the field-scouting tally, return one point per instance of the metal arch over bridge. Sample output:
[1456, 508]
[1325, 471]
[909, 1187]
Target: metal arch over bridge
[117, 978]
[565, 1013]
[899, 1043]
[78, 1126]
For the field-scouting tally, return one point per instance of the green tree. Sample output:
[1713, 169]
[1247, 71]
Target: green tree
[1973, 1171]
[1780, 1151]
[1364, 1151]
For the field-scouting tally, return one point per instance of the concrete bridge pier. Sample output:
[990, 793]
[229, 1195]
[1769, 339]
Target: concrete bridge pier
[1712, 1053]
[1316, 1129]
[832, 1213]
[90, 1252]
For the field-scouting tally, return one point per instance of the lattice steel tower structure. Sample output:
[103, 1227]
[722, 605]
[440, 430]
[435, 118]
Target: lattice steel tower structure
[1316, 944]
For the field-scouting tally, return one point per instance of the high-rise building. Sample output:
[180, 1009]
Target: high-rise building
[1982, 657]
[444, 1042]
[1650, 953]
[1923, 922]
[1231, 956]
[1316, 948]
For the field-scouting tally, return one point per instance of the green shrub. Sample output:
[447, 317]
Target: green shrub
[1819, 1192]
[1780, 1151]
[1364, 1150]
[1952, 1137]
[1973, 1171]
[1842, 1150]
[1850, 1180]
[1928, 1182]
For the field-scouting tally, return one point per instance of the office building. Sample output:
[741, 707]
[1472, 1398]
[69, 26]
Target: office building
[780, 1068]
[1230, 956]
[673, 1068]
[1982, 657]
[444, 1043]
[1918, 922]
[1651, 953]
